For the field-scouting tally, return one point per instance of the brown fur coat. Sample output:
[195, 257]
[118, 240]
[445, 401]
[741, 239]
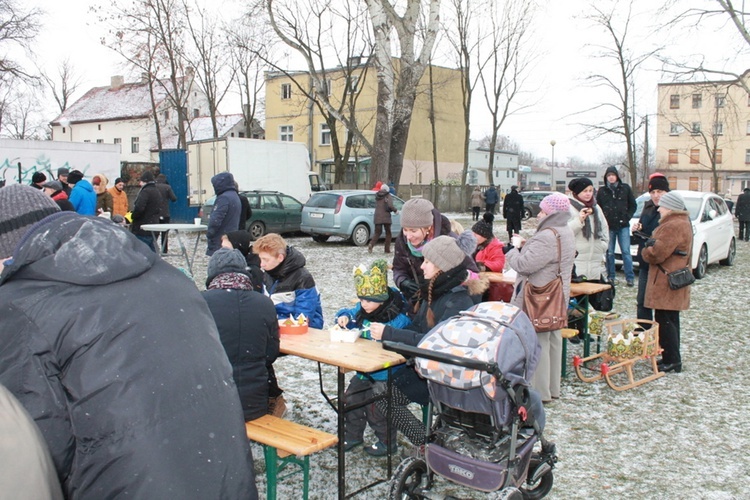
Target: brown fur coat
[674, 232]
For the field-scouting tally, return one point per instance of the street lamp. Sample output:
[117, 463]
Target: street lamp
[552, 171]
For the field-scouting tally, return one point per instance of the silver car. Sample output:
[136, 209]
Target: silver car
[348, 213]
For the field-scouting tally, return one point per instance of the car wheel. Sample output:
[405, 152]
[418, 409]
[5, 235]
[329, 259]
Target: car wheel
[526, 213]
[731, 254]
[700, 270]
[256, 230]
[320, 238]
[361, 235]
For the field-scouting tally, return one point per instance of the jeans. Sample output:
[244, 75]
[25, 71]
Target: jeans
[623, 235]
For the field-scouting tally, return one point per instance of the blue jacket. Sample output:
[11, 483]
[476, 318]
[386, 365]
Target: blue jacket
[83, 198]
[225, 216]
[292, 289]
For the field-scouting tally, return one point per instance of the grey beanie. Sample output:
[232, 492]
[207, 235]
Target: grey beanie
[672, 201]
[444, 252]
[417, 212]
[21, 207]
[225, 260]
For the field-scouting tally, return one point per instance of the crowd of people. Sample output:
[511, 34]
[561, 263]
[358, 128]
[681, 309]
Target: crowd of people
[95, 379]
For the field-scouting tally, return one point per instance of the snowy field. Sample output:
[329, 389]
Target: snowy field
[682, 436]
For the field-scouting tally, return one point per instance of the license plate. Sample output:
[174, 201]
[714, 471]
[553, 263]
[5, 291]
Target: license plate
[316, 215]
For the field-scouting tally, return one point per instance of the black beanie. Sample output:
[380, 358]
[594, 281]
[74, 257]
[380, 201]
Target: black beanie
[38, 177]
[20, 208]
[484, 227]
[658, 182]
[578, 184]
[75, 177]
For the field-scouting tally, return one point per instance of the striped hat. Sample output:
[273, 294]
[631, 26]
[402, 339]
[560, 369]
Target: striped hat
[21, 207]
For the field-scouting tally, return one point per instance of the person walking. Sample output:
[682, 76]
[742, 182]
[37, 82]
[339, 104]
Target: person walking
[477, 199]
[513, 211]
[742, 212]
[225, 216]
[146, 209]
[383, 208]
[167, 197]
[537, 261]
[618, 204]
[668, 250]
[658, 185]
[491, 198]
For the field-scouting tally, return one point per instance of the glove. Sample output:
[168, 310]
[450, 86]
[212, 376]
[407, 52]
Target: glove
[409, 287]
[649, 243]
[507, 248]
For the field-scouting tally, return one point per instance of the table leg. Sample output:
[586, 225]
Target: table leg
[195, 251]
[340, 410]
[184, 251]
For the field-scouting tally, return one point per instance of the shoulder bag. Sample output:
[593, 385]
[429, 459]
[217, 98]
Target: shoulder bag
[545, 305]
[682, 277]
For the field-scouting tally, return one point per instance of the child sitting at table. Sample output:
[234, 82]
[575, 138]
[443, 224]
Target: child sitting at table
[382, 304]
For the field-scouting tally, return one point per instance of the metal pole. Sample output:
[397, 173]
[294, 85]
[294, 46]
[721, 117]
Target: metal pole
[552, 170]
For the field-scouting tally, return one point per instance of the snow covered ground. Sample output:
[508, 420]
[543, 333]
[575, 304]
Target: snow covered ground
[682, 436]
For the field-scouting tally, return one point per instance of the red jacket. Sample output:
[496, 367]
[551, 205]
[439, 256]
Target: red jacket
[492, 256]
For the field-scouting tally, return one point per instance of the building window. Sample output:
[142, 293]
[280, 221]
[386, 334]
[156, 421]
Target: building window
[166, 114]
[697, 101]
[721, 100]
[717, 156]
[196, 113]
[286, 90]
[134, 145]
[747, 131]
[673, 156]
[675, 129]
[693, 183]
[325, 134]
[286, 133]
[719, 128]
[353, 84]
[100, 141]
[695, 155]
[87, 140]
[99, 126]
[748, 125]
[695, 129]
[117, 141]
[747, 156]
[674, 101]
[241, 134]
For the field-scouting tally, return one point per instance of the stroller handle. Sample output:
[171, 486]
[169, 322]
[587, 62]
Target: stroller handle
[408, 350]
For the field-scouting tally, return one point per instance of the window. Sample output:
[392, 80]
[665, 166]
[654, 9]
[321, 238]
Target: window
[675, 129]
[286, 133]
[99, 126]
[695, 129]
[717, 156]
[748, 125]
[721, 100]
[166, 114]
[747, 156]
[286, 90]
[719, 128]
[270, 201]
[353, 84]
[326, 86]
[134, 145]
[325, 134]
[674, 101]
[240, 134]
[697, 101]
[196, 113]
[117, 141]
[695, 155]
[291, 204]
[100, 141]
[693, 183]
[87, 140]
[673, 156]
[747, 130]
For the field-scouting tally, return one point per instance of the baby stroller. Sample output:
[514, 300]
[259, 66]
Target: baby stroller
[484, 421]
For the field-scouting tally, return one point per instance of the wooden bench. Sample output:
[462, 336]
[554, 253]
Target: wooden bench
[285, 443]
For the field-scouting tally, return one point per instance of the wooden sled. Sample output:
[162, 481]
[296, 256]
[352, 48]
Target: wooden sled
[627, 343]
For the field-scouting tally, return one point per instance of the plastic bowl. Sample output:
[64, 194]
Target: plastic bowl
[292, 330]
[349, 336]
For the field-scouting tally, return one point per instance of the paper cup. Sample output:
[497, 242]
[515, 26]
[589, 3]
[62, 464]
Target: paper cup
[197, 221]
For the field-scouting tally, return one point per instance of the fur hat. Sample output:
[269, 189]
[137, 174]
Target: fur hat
[484, 227]
[672, 201]
[417, 212]
[225, 260]
[578, 184]
[147, 176]
[75, 176]
[444, 252]
[20, 208]
[372, 284]
[556, 202]
[658, 182]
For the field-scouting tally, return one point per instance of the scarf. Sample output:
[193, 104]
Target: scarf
[578, 205]
[386, 312]
[441, 284]
[417, 251]
[231, 281]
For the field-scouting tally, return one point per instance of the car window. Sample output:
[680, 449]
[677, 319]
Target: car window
[323, 200]
[290, 202]
[398, 203]
[253, 199]
[357, 201]
[718, 205]
[270, 201]
[370, 201]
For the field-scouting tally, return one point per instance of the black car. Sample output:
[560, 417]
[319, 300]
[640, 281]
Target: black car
[273, 212]
[531, 200]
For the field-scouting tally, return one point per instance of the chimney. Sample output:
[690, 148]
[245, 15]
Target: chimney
[116, 82]
[189, 72]
[144, 77]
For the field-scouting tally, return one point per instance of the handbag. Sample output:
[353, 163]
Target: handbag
[604, 300]
[545, 305]
[679, 278]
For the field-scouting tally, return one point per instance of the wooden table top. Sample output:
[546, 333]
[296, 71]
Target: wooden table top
[160, 228]
[362, 356]
[576, 289]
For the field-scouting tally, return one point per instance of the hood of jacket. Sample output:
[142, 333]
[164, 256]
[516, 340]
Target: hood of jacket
[611, 170]
[293, 261]
[382, 194]
[71, 248]
[85, 185]
[223, 182]
[558, 219]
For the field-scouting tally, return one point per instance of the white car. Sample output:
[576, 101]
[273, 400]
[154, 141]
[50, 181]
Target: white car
[713, 230]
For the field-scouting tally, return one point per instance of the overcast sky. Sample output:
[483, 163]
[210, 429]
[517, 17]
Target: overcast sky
[564, 57]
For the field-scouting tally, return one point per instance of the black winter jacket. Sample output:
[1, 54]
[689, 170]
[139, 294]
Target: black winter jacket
[115, 355]
[146, 209]
[249, 332]
[618, 204]
[406, 265]
[292, 289]
[742, 209]
[225, 216]
[513, 205]
[167, 196]
[649, 220]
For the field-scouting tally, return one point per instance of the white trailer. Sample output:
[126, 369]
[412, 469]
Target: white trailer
[20, 159]
[255, 164]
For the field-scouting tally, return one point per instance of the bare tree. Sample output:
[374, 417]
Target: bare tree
[397, 84]
[20, 111]
[623, 118]
[19, 27]
[503, 63]
[63, 84]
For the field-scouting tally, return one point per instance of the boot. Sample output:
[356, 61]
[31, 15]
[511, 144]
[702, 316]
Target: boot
[369, 248]
[277, 406]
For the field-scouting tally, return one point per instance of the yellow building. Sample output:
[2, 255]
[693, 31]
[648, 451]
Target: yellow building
[291, 116]
[701, 125]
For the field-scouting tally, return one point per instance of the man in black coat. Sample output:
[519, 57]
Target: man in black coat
[225, 216]
[513, 211]
[115, 356]
[742, 212]
[146, 209]
[618, 204]
[167, 197]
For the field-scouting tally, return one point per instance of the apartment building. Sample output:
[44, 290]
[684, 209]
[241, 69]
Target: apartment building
[291, 116]
[703, 135]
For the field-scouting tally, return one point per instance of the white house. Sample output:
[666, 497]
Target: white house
[504, 171]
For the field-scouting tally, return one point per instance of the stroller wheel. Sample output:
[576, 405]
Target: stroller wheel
[542, 486]
[409, 480]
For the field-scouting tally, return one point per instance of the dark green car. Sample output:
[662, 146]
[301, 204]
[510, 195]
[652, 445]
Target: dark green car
[273, 212]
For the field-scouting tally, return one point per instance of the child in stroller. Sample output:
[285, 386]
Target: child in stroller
[485, 420]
